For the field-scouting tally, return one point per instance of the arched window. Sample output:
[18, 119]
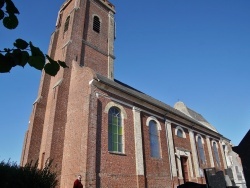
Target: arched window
[201, 150]
[216, 154]
[96, 24]
[66, 25]
[180, 132]
[154, 139]
[115, 130]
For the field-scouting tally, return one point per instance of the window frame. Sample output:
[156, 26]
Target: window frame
[179, 128]
[66, 24]
[157, 128]
[96, 24]
[216, 153]
[115, 131]
[201, 150]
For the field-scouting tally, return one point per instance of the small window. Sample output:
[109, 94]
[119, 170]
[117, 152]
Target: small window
[154, 139]
[66, 25]
[180, 133]
[115, 130]
[96, 24]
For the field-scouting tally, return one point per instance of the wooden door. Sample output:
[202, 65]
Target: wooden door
[184, 166]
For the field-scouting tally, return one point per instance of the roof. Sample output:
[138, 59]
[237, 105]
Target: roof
[142, 96]
[191, 113]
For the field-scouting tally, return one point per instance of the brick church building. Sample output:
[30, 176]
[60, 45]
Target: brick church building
[112, 134]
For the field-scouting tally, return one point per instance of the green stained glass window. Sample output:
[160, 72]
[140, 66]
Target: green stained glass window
[115, 137]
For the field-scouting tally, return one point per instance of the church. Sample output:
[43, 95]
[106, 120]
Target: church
[112, 134]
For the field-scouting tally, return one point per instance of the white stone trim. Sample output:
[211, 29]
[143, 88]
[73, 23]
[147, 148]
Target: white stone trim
[194, 153]
[223, 155]
[196, 139]
[138, 142]
[181, 153]
[210, 151]
[180, 128]
[112, 104]
[154, 119]
[171, 152]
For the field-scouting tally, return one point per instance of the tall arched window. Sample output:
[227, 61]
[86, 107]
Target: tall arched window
[216, 154]
[115, 130]
[201, 150]
[96, 24]
[66, 24]
[154, 139]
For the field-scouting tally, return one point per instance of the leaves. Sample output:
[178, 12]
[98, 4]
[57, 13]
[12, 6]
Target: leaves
[52, 67]
[1, 14]
[13, 175]
[5, 66]
[19, 55]
[1, 3]
[10, 22]
[10, 7]
[62, 64]
[21, 44]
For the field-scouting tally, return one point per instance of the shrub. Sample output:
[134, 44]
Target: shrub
[28, 176]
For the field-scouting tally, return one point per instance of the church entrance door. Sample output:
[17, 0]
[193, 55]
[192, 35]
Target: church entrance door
[184, 166]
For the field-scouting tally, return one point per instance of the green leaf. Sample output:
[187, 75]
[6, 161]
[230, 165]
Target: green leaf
[52, 68]
[4, 65]
[1, 14]
[10, 22]
[37, 62]
[62, 64]
[21, 44]
[11, 8]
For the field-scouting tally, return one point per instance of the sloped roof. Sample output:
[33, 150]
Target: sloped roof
[140, 95]
[191, 113]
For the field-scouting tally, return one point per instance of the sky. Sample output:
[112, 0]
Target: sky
[194, 51]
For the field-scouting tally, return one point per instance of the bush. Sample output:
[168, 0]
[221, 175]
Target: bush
[28, 176]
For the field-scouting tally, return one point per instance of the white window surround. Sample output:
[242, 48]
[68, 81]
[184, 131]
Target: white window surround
[201, 150]
[98, 17]
[112, 104]
[196, 138]
[213, 141]
[154, 119]
[216, 155]
[123, 116]
[180, 128]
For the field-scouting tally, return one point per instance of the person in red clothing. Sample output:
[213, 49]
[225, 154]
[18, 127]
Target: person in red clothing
[77, 183]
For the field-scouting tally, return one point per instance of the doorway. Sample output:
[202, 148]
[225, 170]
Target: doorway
[184, 167]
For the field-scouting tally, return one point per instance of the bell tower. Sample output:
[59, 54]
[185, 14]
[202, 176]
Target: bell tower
[86, 34]
[83, 38]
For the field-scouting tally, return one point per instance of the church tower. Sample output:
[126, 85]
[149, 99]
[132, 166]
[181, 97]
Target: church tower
[59, 124]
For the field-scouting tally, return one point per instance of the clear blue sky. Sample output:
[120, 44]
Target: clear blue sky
[195, 51]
